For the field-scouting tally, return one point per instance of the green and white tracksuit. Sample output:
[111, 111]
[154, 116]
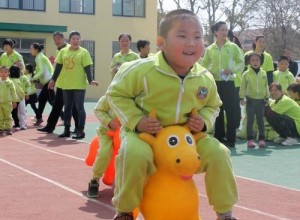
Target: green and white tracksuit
[7, 96]
[146, 84]
[104, 114]
[283, 78]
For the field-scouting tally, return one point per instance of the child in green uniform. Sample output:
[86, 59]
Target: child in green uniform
[8, 99]
[173, 83]
[125, 54]
[294, 92]
[254, 92]
[10, 56]
[105, 115]
[283, 76]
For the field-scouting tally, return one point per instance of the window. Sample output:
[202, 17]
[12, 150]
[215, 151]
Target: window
[77, 6]
[35, 5]
[90, 46]
[131, 8]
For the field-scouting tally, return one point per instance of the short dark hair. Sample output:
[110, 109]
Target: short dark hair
[294, 87]
[72, 33]
[276, 85]
[124, 34]
[29, 67]
[283, 58]
[168, 20]
[141, 44]
[14, 72]
[58, 33]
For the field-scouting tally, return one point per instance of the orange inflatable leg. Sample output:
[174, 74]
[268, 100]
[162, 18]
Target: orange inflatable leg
[94, 146]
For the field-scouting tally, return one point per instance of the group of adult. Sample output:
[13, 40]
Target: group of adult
[226, 60]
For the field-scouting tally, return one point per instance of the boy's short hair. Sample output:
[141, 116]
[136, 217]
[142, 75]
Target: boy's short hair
[141, 44]
[14, 72]
[276, 85]
[170, 18]
[58, 33]
[294, 87]
[283, 58]
[4, 67]
[29, 67]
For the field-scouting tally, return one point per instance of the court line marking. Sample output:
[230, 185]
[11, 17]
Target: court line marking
[66, 188]
[81, 159]
[57, 184]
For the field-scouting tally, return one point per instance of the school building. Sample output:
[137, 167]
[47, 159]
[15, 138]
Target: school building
[100, 22]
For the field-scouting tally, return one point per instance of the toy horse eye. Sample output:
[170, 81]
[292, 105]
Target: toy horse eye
[173, 141]
[189, 139]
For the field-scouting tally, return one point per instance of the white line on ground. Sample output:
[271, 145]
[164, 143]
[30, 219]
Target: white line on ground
[45, 149]
[57, 184]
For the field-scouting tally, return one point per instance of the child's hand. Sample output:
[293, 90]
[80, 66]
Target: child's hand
[113, 125]
[149, 125]
[195, 123]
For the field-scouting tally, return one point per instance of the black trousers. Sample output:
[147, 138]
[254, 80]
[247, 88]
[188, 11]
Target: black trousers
[56, 110]
[44, 96]
[282, 124]
[226, 90]
[15, 117]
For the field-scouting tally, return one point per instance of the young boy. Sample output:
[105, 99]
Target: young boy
[283, 76]
[8, 101]
[254, 92]
[294, 92]
[107, 122]
[143, 47]
[173, 83]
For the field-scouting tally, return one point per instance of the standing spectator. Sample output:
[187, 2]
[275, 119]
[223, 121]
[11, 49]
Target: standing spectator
[224, 60]
[8, 99]
[293, 66]
[58, 103]
[10, 55]
[283, 76]
[125, 54]
[74, 64]
[237, 81]
[14, 75]
[32, 100]
[143, 47]
[254, 93]
[266, 59]
[284, 116]
[42, 73]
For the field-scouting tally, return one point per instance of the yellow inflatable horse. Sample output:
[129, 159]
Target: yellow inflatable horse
[171, 193]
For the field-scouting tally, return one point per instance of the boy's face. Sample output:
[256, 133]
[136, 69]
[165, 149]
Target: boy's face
[183, 45]
[3, 73]
[255, 61]
[145, 50]
[283, 65]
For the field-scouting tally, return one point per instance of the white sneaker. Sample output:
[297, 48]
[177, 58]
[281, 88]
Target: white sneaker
[290, 141]
[279, 140]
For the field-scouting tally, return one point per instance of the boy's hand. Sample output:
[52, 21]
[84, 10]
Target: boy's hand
[195, 123]
[149, 125]
[113, 125]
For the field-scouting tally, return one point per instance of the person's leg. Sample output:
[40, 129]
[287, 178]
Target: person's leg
[220, 124]
[68, 97]
[7, 117]
[250, 111]
[133, 164]
[278, 123]
[79, 96]
[219, 178]
[229, 103]
[14, 114]
[237, 107]
[22, 115]
[260, 109]
[42, 100]
[75, 118]
[56, 110]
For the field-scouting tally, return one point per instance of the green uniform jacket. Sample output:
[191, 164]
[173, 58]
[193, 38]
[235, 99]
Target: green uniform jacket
[10, 60]
[228, 57]
[32, 84]
[287, 106]
[146, 84]
[19, 91]
[283, 78]
[43, 70]
[25, 84]
[254, 85]
[119, 59]
[7, 91]
[104, 113]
